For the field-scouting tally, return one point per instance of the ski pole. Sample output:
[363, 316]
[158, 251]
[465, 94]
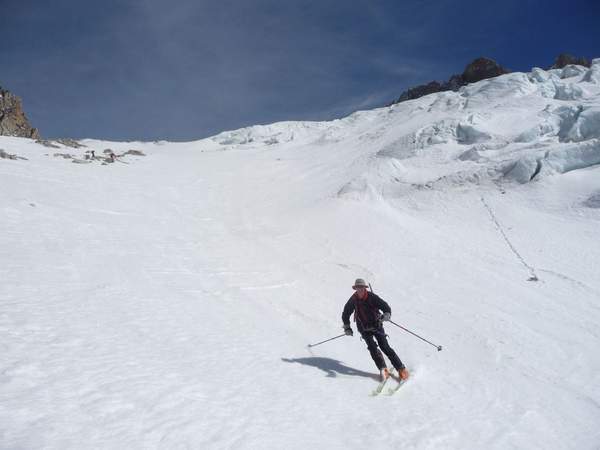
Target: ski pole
[439, 347]
[326, 340]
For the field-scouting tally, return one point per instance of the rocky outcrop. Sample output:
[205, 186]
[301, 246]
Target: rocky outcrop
[5, 155]
[421, 91]
[12, 118]
[482, 69]
[479, 69]
[564, 59]
[67, 142]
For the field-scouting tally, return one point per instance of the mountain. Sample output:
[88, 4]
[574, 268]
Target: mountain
[479, 69]
[564, 59]
[166, 299]
[12, 118]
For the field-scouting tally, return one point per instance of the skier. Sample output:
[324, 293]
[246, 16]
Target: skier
[369, 322]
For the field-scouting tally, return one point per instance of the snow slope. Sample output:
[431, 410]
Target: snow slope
[166, 300]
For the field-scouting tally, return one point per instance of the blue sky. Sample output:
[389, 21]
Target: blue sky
[186, 69]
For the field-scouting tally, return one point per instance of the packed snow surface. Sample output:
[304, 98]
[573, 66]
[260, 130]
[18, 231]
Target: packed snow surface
[166, 300]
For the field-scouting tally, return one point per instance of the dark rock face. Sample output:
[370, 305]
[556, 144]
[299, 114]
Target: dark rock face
[420, 91]
[564, 59]
[479, 69]
[12, 118]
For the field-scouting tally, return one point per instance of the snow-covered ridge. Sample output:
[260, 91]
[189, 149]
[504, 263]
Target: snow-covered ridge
[514, 127]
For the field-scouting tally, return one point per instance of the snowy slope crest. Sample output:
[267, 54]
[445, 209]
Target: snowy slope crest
[277, 133]
[513, 128]
[517, 127]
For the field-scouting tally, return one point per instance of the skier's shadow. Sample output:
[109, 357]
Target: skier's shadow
[331, 367]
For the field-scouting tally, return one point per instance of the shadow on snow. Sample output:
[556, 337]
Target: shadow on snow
[331, 367]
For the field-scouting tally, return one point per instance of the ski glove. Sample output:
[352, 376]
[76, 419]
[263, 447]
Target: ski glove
[386, 317]
[348, 330]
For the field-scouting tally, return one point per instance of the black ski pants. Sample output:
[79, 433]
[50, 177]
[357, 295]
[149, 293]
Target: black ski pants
[381, 338]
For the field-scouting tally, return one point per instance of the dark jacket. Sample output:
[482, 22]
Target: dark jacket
[366, 312]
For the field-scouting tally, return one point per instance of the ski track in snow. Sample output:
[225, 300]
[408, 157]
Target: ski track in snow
[168, 302]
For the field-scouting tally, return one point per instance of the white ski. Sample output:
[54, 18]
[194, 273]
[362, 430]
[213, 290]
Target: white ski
[381, 385]
[393, 390]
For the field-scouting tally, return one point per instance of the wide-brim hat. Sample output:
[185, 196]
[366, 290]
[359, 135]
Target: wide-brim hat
[360, 283]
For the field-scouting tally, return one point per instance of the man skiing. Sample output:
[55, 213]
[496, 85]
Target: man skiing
[369, 322]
